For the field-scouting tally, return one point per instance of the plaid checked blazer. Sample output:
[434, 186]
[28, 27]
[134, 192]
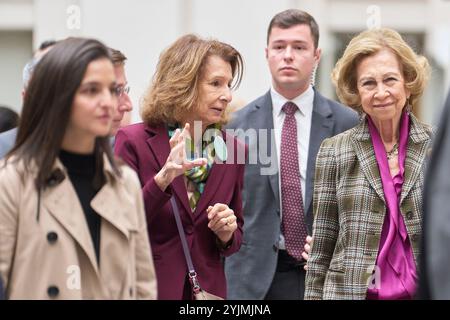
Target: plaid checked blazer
[349, 210]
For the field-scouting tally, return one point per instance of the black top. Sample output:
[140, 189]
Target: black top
[81, 170]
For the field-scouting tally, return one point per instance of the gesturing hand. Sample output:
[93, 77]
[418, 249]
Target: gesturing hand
[177, 162]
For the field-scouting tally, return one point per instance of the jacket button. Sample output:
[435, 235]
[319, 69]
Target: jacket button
[52, 237]
[189, 229]
[409, 215]
[52, 291]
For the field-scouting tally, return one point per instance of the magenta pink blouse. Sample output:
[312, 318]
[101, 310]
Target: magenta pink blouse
[395, 273]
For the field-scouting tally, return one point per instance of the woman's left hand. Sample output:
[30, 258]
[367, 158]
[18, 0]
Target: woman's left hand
[222, 222]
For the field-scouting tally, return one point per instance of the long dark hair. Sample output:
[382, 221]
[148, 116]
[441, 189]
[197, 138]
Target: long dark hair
[48, 102]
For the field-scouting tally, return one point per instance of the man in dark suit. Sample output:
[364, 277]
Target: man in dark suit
[290, 121]
[434, 272]
[2, 293]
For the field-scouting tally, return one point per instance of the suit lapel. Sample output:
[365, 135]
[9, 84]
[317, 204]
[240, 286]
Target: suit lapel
[322, 123]
[362, 143]
[62, 203]
[263, 119]
[158, 143]
[111, 202]
[110, 206]
[415, 156]
[114, 204]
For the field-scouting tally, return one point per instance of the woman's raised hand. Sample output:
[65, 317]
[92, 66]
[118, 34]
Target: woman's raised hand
[177, 162]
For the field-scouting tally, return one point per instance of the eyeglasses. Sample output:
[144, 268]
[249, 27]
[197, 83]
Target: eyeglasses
[120, 90]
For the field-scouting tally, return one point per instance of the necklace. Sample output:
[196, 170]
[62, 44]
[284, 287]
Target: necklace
[393, 153]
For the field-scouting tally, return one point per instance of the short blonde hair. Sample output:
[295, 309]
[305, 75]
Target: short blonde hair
[174, 92]
[416, 69]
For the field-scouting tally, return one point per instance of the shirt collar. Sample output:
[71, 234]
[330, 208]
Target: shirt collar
[304, 101]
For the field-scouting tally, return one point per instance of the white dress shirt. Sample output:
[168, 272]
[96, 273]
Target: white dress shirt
[303, 118]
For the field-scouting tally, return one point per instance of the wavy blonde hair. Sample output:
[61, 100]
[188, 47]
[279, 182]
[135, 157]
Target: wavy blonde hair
[174, 91]
[416, 69]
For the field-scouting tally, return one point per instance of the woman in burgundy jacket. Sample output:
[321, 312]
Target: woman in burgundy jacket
[180, 150]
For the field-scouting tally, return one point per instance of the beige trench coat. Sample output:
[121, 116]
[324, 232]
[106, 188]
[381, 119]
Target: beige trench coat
[48, 253]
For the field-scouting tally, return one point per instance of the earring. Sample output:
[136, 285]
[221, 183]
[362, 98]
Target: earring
[313, 76]
[361, 114]
[408, 106]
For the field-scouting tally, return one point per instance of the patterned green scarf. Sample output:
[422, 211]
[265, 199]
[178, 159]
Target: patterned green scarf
[197, 176]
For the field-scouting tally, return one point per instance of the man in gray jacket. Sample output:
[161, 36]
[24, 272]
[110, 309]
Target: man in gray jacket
[283, 129]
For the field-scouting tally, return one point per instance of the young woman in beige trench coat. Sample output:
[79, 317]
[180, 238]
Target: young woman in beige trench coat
[72, 222]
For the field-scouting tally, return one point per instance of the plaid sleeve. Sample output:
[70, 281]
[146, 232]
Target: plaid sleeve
[326, 223]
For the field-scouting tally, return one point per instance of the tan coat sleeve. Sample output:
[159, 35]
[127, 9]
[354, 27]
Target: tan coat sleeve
[9, 211]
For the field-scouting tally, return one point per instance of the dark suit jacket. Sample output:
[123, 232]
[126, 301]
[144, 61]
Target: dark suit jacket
[2, 290]
[435, 260]
[251, 270]
[146, 149]
[7, 140]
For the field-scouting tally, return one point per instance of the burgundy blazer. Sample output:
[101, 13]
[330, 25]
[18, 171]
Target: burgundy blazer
[145, 149]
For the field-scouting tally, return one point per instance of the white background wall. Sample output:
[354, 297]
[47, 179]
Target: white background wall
[15, 51]
[142, 28]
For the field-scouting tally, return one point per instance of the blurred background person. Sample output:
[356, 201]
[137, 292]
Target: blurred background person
[126, 120]
[8, 137]
[29, 67]
[124, 105]
[191, 87]
[44, 47]
[434, 271]
[369, 179]
[80, 232]
[9, 119]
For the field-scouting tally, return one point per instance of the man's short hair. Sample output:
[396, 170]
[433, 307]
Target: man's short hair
[9, 119]
[117, 56]
[293, 17]
[48, 43]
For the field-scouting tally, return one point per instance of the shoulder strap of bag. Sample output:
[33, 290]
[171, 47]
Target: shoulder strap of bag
[187, 255]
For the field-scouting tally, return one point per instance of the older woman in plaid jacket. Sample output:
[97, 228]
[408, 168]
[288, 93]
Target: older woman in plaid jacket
[369, 179]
